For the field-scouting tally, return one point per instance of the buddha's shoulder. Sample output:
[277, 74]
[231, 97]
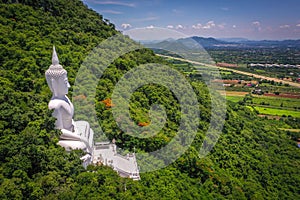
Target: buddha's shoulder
[57, 103]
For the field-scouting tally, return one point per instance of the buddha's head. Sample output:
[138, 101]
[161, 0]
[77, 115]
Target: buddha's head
[56, 77]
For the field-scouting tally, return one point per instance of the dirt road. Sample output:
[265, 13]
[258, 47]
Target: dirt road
[236, 71]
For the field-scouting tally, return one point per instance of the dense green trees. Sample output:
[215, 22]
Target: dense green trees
[252, 159]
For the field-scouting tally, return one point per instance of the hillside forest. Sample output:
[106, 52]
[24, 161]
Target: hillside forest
[252, 159]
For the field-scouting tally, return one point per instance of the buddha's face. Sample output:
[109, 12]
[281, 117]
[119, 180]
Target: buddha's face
[60, 86]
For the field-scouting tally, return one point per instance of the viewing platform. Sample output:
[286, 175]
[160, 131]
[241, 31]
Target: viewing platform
[105, 153]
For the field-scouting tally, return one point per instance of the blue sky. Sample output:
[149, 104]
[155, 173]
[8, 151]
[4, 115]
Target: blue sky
[252, 19]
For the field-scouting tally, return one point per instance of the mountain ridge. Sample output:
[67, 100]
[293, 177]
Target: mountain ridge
[210, 42]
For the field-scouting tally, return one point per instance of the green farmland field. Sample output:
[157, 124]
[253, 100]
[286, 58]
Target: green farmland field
[278, 112]
[234, 98]
[277, 102]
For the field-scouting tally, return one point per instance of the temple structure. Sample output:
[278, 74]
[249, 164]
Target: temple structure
[79, 135]
[106, 153]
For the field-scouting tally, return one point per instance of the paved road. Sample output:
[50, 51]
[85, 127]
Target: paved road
[236, 71]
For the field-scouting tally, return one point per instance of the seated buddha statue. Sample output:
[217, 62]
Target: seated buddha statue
[72, 137]
[57, 80]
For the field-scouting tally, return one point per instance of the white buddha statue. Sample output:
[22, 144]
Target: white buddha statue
[57, 80]
[75, 135]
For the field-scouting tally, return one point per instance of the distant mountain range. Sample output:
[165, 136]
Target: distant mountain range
[223, 43]
[233, 39]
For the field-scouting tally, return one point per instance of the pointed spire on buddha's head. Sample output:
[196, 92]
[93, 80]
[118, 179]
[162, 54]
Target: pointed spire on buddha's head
[55, 60]
[55, 70]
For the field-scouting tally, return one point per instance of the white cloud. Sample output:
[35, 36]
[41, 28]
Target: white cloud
[284, 26]
[256, 23]
[170, 26]
[222, 26]
[298, 25]
[150, 27]
[197, 26]
[119, 3]
[146, 19]
[209, 25]
[111, 12]
[179, 26]
[234, 26]
[125, 26]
